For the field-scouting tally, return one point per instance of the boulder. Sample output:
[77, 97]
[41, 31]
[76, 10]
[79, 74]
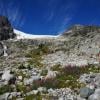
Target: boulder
[6, 30]
[32, 92]
[94, 97]
[42, 89]
[30, 80]
[51, 74]
[20, 78]
[97, 80]
[7, 76]
[97, 91]
[85, 92]
[4, 96]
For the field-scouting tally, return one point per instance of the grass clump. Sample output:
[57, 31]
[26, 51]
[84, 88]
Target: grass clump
[56, 67]
[21, 88]
[44, 72]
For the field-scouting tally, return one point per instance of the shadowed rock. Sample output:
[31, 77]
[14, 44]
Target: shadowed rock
[6, 30]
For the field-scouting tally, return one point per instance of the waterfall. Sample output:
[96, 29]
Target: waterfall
[5, 54]
[5, 51]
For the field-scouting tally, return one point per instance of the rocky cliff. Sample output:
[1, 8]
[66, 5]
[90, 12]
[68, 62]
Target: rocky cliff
[6, 30]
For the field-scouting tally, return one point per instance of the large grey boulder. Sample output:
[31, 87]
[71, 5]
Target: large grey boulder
[85, 92]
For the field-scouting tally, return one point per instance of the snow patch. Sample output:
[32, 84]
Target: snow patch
[22, 35]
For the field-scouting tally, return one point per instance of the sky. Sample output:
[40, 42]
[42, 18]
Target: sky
[48, 17]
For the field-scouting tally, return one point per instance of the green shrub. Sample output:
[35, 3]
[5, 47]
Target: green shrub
[33, 97]
[44, 72]
[5, 88]
[56, 67]
[21, 88]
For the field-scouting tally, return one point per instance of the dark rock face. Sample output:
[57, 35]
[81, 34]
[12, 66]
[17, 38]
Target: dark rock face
[6, 30]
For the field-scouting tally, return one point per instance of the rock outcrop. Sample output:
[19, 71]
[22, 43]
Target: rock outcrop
[81, 30]
[6, 30]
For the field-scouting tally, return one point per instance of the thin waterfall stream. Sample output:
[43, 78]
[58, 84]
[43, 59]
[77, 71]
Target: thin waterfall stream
[5, 54]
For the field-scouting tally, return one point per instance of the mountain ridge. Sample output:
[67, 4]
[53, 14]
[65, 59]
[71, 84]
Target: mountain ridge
[81, 30]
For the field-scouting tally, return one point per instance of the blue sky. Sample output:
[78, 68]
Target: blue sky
[50, 16]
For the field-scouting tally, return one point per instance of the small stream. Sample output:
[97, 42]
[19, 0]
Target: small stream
[5, 54]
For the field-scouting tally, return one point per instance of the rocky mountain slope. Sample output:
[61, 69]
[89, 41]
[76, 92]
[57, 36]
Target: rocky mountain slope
[72, 47]
[49, 67]
[77, 46]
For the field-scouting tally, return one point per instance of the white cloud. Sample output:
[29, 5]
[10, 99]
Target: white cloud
[64, 24]
[69, 11]
[50, 16]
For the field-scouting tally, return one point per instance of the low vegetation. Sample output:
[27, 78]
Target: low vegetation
[36, 55]
[67, 77]
[5, 88]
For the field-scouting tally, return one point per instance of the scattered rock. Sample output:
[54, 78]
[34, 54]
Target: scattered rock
[51, 74]
[20, 77]
[32, 92]
[8, 77]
